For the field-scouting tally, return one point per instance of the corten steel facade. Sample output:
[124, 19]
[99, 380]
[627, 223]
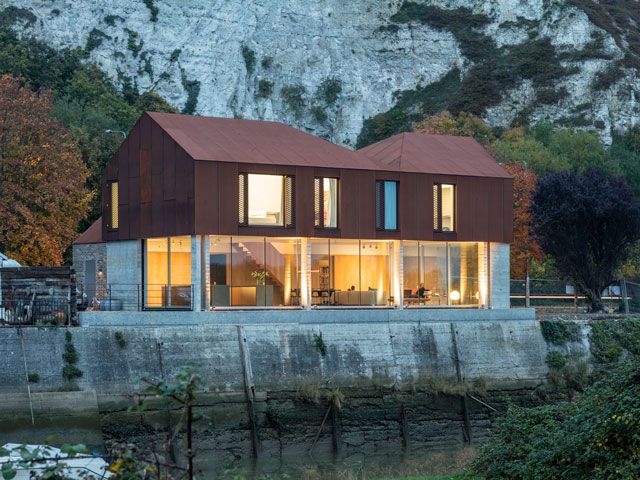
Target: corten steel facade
[166, 191]
[420, 220]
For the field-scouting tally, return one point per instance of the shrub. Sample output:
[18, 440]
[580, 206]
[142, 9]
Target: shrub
[559, 332]
[111, 20]
[265, 89]
[152, 9]
[120, 340]
[175, 55]
[595, 436]
[319, 114]
[610, 338]
[94, 40]
[319, 343]
[134, 47]
[329, 90]
[192, 87]
[266, 62]
[70, 357]
[606, 78]
[556, 360]
[293, 96]
[249, 59]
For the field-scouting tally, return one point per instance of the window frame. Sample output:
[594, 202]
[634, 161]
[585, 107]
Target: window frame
[114, 212]
[319, 214]
[288, 201]
[380, 216]
[437, 210]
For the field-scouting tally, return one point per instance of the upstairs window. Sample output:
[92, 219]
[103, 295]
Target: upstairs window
[326, 202]
[386, 205]
[114, 220]
[266, 200]
[444, 207]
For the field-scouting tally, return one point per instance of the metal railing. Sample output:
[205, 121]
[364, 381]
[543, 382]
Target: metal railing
[557, 294]
[136, 297]
[37, 311]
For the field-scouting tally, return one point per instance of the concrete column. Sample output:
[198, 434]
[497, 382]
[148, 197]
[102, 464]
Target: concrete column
[206, 274]
[305, 273]
[499, 269]
[196, 272]
[483, 274]
[124, 266]
[398, 273]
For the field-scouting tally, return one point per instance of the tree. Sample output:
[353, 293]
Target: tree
[42, 178]
[524, 249]
[465, 124]
[587, 222]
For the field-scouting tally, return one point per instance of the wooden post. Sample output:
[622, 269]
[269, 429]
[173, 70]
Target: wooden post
[336, 430]
[625, 296]
[527, 291]
[466, 430]
[249, 390]
[404, 427]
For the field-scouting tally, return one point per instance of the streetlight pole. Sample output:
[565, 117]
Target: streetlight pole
[109, 131]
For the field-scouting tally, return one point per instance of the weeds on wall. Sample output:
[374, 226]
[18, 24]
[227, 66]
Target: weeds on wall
[33, 378]
[559, 332]
[120, 340]
[318, 341]
[249, 59]
[265, 89]
[293, 97]
[70, 372]
[609, 339]
[192, 87]
[132, 44]
[153, 10]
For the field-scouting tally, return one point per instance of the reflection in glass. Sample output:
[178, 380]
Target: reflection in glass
[463, 279]
[448, 207]
[330, 197]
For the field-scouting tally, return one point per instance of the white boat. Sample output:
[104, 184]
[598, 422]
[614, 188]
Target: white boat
[78, 467]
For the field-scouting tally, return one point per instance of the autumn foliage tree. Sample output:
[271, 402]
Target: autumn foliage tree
[42, 178]
[524, 248]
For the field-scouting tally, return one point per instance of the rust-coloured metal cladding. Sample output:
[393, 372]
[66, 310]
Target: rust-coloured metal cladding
[178, 175]
[436, 154]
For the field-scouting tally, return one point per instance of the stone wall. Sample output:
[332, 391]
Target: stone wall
[98, 253]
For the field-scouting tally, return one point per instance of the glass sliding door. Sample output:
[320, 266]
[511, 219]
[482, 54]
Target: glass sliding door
[464, 286]
[168, 272]
[345, 266]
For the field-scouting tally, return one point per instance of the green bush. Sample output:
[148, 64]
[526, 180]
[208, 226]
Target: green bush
[132, 44]
[293, 96]
[610, 338]
[595, 436]
[249, 59]
[559, 332]
[265, 89]
[94, 40]
[556, 360]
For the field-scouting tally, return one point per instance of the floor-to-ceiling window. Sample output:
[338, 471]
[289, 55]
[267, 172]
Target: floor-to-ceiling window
[254, 271]
[168, 272]
[351, 272]
[441, 274]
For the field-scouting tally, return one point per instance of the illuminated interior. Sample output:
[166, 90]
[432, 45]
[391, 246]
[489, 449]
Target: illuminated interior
[330, 197]
[441, 274]
[168, 272]
[254, 271]
[265, 197]
[448, 207]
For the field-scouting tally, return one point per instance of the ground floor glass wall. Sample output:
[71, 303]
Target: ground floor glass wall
[167, 267]
[351, 272]
[254, 271]
[441, 274]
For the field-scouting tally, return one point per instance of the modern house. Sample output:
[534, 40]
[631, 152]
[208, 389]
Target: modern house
[214, 213]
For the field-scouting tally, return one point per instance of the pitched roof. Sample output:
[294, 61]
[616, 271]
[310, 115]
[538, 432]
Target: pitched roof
[439, 154]
[255, 141]
[93, 234]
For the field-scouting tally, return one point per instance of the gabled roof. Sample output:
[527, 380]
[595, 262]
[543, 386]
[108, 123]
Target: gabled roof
[93, 234]
[438, 154]
[255, 141]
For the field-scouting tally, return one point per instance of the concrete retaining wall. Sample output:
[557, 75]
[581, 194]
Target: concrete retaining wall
[277, 353]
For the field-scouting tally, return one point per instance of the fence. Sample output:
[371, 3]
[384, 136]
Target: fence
[556, 294]
[136, 297]
[38, 311]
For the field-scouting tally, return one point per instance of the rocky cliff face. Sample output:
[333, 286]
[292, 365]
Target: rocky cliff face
[330, 67]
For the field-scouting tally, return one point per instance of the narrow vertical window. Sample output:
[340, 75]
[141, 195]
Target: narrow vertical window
[386, 205]
[242, 199]
[326, 202]
[115, 220]
[444, 207]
